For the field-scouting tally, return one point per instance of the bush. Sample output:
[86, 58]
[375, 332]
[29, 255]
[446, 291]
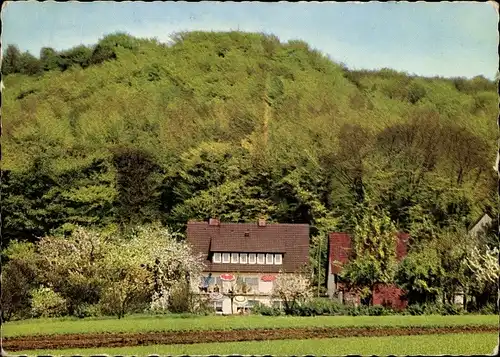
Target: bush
[354, 310]
[264, 310]
[453, 309]
[318, 307]
[180, 300]
[184, 301]
[435, 309]
[489, 309]
[87, 310]
[45, 302]
[379, 310]
[415, 310]
[327, 307]
[17, 281]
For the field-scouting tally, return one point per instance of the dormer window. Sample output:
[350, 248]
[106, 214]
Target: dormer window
[269, 258]
[217, 258]
[235, 258]
[243, 258]
[278, 259]
[226, 257]
[252, 258]
[261, 258]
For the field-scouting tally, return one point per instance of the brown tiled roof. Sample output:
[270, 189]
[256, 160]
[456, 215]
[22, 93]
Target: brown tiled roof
[292, 240]
[340, 246]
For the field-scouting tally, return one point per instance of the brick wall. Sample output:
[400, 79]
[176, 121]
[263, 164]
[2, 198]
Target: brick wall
[389, 295]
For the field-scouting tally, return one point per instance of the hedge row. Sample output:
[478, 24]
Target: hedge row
[325, 307]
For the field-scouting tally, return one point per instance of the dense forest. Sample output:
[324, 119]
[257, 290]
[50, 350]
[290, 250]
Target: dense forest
[237, 126]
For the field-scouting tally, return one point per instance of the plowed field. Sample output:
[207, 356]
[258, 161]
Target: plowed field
[189, 337]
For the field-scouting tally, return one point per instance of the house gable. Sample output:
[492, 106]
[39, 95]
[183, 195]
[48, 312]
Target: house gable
[340, 246]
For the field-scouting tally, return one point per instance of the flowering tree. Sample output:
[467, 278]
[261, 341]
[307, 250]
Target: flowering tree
[292, 289]
[74, 265]
[117, 270]
[484, 265]
[170, 262]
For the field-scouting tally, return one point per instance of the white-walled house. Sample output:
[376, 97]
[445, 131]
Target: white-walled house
[245, 257]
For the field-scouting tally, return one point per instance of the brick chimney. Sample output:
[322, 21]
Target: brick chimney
[213, 222]
[262, 222]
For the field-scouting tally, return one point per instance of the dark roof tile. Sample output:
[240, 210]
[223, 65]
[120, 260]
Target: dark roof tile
[292, 240]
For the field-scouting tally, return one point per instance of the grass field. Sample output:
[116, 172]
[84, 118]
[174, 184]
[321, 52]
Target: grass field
[453, 344]
[148, 323]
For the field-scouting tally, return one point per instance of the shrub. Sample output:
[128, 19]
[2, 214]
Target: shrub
[354, 310]
[45, 302]
[435, 309]
[415, 310]
[452, 309]
[87, 310]
[489, 309]
[379, 310]
[318, 307]
[264, 310]
[183, 300]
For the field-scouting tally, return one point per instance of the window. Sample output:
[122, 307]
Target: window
[251, 258]
[225, 257]
[235, 257]
[216, 258]
[278, 259]
[261, 258]
[243, 258]
[252, 282]
[269, 258]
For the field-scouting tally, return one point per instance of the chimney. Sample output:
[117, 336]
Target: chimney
[262, 222]
[213, 222]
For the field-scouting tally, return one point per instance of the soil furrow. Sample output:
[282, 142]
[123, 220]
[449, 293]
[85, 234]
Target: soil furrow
[38, 342]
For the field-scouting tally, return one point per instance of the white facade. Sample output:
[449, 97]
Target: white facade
[251, 289]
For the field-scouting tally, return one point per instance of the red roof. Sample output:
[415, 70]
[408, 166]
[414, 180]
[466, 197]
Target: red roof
[292, 240]
[340, 246]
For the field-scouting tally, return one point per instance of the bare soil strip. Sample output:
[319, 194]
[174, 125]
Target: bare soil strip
[188, 337]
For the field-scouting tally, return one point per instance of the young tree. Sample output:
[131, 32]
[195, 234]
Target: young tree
[485, 268]
[484, 265]
[11, 61]
[373, 253]
[75, 266]
[18, 278]
[292, 289]
[172, 261]
[30, 65]
[420, 275]
[49, 59]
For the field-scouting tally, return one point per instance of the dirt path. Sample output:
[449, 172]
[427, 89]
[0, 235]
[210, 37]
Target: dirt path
[188, 337]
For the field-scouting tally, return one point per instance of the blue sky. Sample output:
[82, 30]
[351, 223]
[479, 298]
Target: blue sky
[446, 39]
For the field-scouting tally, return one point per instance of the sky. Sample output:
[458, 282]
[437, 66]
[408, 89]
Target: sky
[447, 39]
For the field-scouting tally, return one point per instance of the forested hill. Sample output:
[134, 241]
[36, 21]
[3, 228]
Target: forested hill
[236, 125]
